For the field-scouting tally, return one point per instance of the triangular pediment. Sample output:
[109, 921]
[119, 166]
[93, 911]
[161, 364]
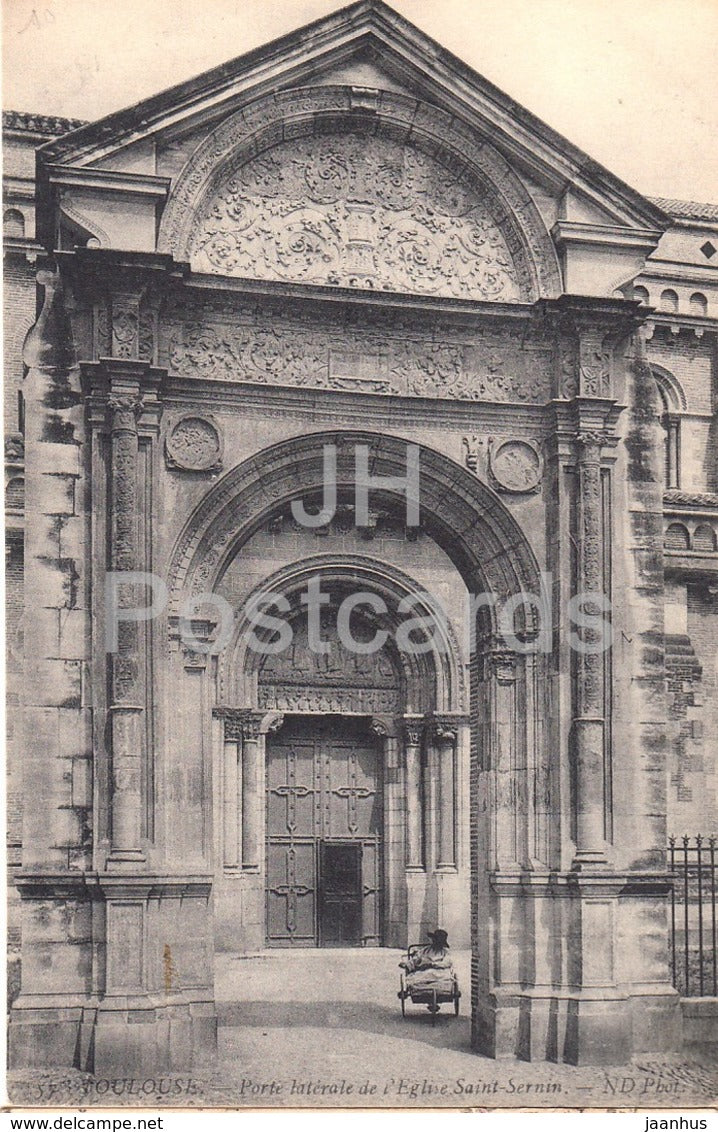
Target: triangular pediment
[366, 44]
[538, 208]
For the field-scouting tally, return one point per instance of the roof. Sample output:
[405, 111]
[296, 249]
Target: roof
[686, 209]
[46, 124]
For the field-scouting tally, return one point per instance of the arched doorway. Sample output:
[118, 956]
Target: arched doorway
[370, 715]
[467, 748]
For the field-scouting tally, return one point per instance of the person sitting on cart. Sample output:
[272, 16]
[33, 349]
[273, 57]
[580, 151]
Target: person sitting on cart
[429, 966]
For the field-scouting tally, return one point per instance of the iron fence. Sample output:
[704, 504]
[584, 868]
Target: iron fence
[694, 954]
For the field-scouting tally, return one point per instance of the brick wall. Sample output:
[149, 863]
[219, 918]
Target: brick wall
[18, 317]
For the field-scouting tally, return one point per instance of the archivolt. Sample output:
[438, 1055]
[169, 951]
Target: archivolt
[463, 515]
[433, 679]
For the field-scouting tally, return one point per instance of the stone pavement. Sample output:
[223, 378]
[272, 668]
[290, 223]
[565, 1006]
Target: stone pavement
[324, 1028]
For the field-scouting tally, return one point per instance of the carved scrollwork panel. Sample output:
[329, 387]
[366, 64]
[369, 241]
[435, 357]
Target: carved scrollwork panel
[355, 211]
[257, 347]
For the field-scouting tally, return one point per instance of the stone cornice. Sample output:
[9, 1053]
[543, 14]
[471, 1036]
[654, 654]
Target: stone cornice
[109, 181]
[607, 235]
[307, 294]
[677, 500]
[56, 884]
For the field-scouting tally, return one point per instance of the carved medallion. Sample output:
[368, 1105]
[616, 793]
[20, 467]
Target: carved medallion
[516, 465]
[194, 444]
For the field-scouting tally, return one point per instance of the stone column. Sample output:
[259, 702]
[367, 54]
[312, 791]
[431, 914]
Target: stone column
[231, 797]
[252, 752]
[126, 705]
[250, 728]
[394, 800]
[445, 734]
[672, 423]
[503, 723]
[588, 720]
[414, 801]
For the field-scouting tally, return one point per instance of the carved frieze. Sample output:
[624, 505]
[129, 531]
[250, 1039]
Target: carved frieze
[362, 701]
[256, 346]
[354, 211]
[194, 443]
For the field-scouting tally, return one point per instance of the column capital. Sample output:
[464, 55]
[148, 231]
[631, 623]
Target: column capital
[445, 728]
[384, 726]
[501, 663]
[247, 723]
[413, 729]
[194, 638]
[589, 441]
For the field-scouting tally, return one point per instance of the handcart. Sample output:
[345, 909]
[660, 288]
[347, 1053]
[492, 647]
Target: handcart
[444, 989]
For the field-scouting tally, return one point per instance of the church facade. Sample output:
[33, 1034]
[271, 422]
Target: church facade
[363, 547]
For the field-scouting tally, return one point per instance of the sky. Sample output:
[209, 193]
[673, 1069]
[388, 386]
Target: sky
[635, 85]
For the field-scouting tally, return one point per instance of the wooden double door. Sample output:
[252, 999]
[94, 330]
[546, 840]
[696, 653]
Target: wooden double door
[324, 834]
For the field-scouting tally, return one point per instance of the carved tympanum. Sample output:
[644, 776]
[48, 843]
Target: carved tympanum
[355, 211]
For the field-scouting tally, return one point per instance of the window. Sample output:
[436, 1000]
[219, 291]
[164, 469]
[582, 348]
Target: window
[13, 223]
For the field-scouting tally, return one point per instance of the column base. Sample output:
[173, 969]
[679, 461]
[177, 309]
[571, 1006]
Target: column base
[417, 924]
[589, 859]
[113, 1037]
[591, 1027]
[125, 859]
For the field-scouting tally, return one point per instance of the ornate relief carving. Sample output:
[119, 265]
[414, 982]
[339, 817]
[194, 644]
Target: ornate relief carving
[594, 364]
[300, 679]
[355, 211]
[567, 365]
[194, 443]
[413, 732]
[125, 326]
[445, 733]
[461, 156]
[261, 348]
[516, 465]
[102, 333]
[299, 663]
[589, 689]
[471, 447]
[362, 701]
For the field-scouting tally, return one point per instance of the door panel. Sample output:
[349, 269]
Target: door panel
[340, 894]
[291, 895]
[323, 787]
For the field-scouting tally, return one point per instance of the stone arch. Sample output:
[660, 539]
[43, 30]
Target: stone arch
[465, 517]
[433, 680]
[310, 112]
[492, 728]
[670, 389]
